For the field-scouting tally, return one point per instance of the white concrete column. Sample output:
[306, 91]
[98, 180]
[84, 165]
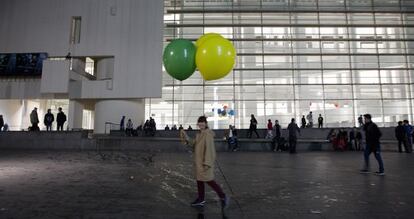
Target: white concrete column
[75, 114]
[113, 110]
[104, 68]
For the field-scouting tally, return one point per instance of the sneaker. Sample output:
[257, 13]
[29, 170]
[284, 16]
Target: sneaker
[198, 203]
[364, 171]
[379, 173]
[225, 202]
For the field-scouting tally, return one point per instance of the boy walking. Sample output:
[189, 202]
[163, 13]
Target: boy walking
[372, 136]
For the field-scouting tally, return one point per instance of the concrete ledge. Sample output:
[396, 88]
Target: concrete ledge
[83, 140]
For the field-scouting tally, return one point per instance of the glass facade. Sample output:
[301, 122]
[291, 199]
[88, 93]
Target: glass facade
[337, 58]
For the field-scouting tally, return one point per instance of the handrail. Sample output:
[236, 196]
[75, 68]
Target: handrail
[110, 124]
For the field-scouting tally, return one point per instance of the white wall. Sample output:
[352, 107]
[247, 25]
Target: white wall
[12, 113]
[132, 34]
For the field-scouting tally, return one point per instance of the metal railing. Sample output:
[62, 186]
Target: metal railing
[112, 126]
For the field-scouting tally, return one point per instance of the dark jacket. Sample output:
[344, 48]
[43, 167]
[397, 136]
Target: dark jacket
[1, 122]
[49, 119]
[293, 130]
[253, 123]
[320, 119]
[277, 130]
[60, 118]
[352, 135]
[358, 135]
[400, 132]
[372, 135]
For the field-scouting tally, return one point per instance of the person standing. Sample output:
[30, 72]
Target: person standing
[293, 138]
[269, 134]
[204, 162]
[358, 140]
[303, 122]
[360, 121]
[60, 119]
[153, 126]
[408, 136]
[34, 120]
[253, 127]
[1, 122]
[372, 139]
[129, 128]
[352, 139]
[401, 137]
[48, 120]
[320, 121]
[309, 117]
[276, 139]
[122, 124]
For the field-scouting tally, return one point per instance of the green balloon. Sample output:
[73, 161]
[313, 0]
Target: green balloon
[179, 59]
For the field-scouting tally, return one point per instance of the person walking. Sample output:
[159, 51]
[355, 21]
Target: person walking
[1, 122]
[269, 134]
[309, 117]
[204, 162]
[276, 138]
[372, 139]
[320, 121]
[408, 136]
[48, 120]
[293, 130]
[400, 135]
[60, 119]
[252, 127]
[34, 120]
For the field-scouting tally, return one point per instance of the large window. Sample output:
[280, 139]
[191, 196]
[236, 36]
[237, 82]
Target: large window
[334, 58]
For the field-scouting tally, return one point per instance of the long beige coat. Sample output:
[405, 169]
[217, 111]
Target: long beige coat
[204, 155]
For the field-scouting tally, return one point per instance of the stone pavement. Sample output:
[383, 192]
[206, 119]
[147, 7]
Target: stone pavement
[53, 184]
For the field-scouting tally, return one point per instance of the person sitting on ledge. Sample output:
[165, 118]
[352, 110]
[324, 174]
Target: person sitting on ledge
[167, 128]
[174, 127]
[189, 128]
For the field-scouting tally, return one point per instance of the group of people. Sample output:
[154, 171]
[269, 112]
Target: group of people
[149, 127]
[274, 132]
[342, 141]
[309, 119]
[129, 128]
[48, 120]
[404, 134]
[174, 128]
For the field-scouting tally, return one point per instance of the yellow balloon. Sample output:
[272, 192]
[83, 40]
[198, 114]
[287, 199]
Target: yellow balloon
[206, 37]
[215, 58]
